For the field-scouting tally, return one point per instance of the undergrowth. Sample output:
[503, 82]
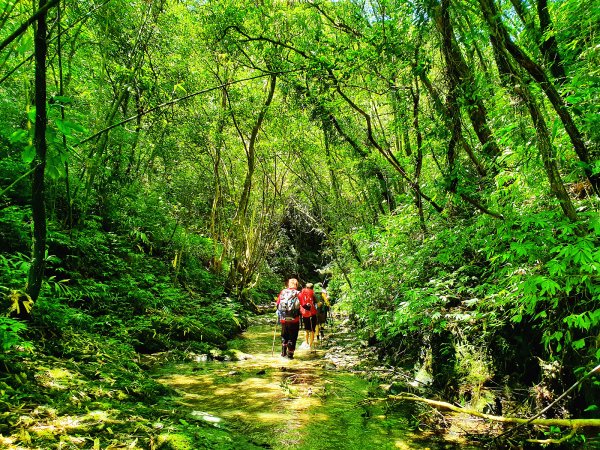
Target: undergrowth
[503, 299]
[72, 371]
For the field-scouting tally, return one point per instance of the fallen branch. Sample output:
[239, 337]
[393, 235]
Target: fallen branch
[564, 394]
[572, 423]
[554, 441]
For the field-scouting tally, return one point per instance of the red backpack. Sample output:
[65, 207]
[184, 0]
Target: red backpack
[307, 298]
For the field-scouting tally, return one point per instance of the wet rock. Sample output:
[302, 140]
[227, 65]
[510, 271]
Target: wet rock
[396, 388]
[206, 417]
[241, 356]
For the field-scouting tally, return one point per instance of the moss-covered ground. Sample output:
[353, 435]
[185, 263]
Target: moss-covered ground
[304, 403]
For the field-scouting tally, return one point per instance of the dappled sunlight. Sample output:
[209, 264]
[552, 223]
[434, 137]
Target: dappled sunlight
[44, 423]
[56, 378]
[62, 424]
[261, 391]
[286, 403]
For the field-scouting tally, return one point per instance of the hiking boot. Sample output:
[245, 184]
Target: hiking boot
[283, 350]
[291, 355]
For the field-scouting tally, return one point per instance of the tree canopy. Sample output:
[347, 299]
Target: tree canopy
[436, 163]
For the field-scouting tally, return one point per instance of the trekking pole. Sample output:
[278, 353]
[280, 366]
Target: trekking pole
[273, 346]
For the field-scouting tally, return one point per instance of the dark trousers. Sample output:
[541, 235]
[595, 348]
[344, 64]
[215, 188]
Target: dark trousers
[289, 335]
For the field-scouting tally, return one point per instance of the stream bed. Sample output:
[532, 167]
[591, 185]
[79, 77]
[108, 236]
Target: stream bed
[304, 403]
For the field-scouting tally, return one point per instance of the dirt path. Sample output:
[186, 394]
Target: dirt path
[305, 403]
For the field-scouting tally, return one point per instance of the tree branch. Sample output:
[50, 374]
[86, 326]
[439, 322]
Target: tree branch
[177, 100]
[19, 31]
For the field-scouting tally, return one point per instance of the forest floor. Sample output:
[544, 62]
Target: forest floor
[318, 400]
[247, 397]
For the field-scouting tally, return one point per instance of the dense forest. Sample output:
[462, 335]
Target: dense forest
[166, 165]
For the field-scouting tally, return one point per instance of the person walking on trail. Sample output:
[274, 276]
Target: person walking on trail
[288, 312]
[323, 307]
[309, 314]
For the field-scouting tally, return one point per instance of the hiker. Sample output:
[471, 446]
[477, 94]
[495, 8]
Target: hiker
[323, 306]
[288, 312]
[309, 314]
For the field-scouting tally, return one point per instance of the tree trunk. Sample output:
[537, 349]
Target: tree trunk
[239, 269]
[463, 80]
[216, 223]
[38, 206]
[416, 96]
[447, 117]
[549, 46]
[511, 79]
[497, 28]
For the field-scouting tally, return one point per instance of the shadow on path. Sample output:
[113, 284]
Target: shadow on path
[304, 403]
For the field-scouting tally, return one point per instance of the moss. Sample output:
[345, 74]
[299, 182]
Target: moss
[174, 441]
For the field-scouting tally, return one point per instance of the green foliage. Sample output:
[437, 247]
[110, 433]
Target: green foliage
[57, 318]
[14, 231]
[536, 269]
[10, 335]
[547, 272]
[145, 219]
[14, 270]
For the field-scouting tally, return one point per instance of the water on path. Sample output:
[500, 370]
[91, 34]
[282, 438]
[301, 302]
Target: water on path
[303, 403]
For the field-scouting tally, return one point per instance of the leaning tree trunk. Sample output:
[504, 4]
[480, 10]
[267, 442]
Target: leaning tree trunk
[549, 46]
[416, 96]
[498, 29]
[511, 79]
[38, 207]
[239, 269]
[543, 36]
[463, 81]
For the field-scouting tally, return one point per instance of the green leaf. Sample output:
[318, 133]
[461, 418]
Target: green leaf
[53, 172]
[19, 137]
[63, 99]
[555, 128]
[26, 45]
[573, 98]
[66, 127]
[63, 128]
[31, 114]
[28, 154]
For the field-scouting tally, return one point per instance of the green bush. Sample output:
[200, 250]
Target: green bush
[10, 335]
